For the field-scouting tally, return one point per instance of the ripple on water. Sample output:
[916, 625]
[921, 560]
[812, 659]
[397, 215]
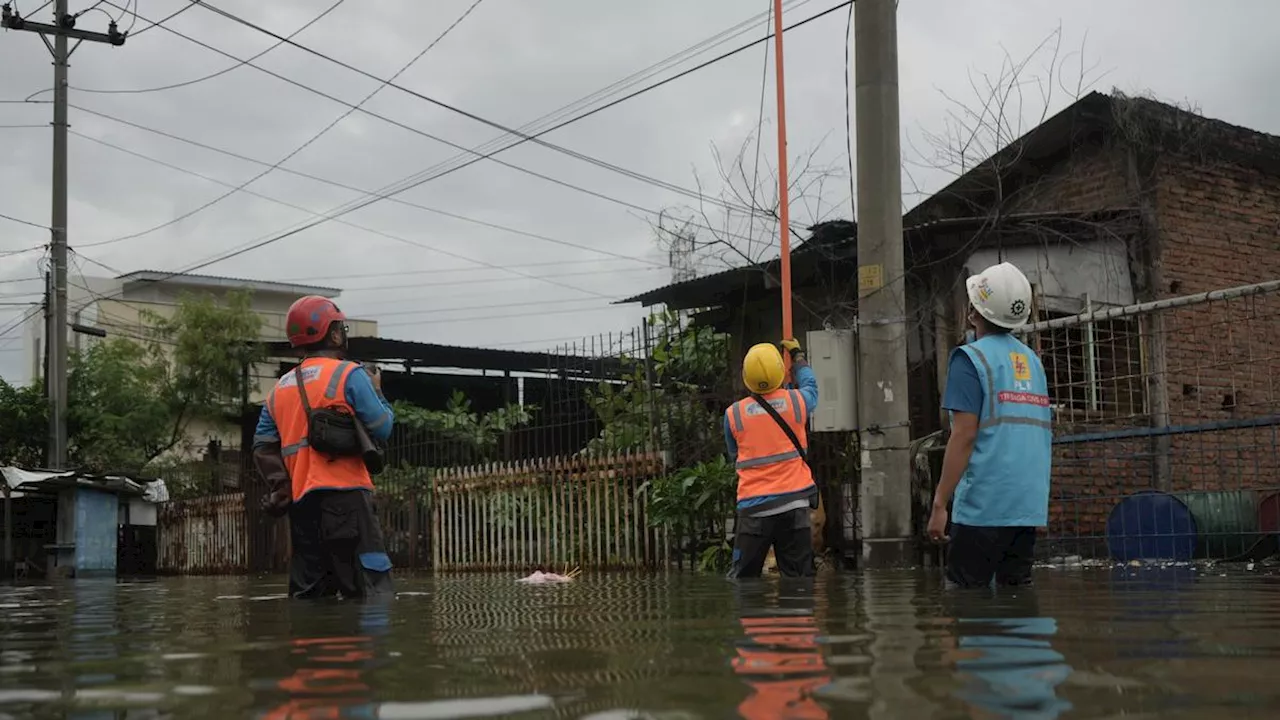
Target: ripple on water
[1097, 643]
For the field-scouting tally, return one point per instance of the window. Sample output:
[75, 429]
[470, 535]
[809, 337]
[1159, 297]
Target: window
[1093, 369]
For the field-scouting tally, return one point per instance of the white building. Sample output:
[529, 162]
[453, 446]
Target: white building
[117, 305]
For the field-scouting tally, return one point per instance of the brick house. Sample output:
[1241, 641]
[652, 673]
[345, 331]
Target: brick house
[1112, 202]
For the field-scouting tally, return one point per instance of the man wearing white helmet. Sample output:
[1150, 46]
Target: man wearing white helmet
[998, 457]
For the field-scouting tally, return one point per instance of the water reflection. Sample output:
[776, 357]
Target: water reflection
[779, 657]
[878, 645]
[1003, 657]
[329, 666]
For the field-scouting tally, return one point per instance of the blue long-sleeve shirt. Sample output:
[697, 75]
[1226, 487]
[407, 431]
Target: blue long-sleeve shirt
[369, 405]
[807, 385]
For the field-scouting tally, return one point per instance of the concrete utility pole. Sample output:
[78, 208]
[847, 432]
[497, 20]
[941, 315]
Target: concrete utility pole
[55, 380]
[885, 492]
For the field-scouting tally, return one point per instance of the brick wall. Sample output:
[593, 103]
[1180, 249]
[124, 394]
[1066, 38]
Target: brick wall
[1092, 178]
[1220, 228]
[1088, 478]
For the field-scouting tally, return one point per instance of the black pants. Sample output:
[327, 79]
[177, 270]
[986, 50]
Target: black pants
[787, 533]
[977, 555]
[337, 546]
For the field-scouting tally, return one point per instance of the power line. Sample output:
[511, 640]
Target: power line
[672, 187]
[160, 23]
[422, 133]
[8, 253]
[463, 308]
[23, 222]
[487, 281]
[352, 188]
[313, 213]
[447, 321]
[523, 138]
[450, 271]
[224, 71]
[352, 207]
[276, 165]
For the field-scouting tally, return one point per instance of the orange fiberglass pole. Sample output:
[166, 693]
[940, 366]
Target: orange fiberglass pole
[784, 209]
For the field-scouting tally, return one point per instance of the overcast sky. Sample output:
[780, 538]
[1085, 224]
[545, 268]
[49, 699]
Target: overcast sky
[512, 62]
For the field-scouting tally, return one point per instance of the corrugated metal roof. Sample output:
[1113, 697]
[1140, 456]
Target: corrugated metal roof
[432, 355]
[218, 281]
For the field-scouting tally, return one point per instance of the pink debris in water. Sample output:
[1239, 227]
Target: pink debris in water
[544, 578]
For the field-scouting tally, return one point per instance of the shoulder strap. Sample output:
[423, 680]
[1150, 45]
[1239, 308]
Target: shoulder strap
[302, 391]
[791, 435]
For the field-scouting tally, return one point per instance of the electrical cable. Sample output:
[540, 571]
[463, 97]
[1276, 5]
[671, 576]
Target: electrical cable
[33, 12]
[764, 83]
[523, 138]
[485, 281]
[358, 204]
[313, 213]
[603, 164]
[442, 271]
[224, 71]
[289, 156]
[133, 23]
[296, 150]
[8, 253]
[23, 222]
[352, 188]
[446, 321]
[848, 118]
[258, 244]
[160, 23]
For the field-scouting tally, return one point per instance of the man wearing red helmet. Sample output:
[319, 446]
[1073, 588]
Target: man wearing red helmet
[306, 446]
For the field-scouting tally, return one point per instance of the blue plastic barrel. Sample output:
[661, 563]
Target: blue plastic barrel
[1151, 525]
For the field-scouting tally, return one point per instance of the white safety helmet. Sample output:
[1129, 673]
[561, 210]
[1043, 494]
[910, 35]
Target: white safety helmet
[1001, 294]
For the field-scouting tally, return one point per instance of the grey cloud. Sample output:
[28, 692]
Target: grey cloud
[514, 61]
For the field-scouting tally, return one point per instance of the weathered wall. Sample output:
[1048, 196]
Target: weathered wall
[1220, 228]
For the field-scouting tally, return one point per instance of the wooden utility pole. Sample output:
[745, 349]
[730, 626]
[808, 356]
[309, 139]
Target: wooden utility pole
[62, 30]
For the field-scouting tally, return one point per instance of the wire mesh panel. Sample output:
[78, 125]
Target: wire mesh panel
[1165, 426]
[553, 513]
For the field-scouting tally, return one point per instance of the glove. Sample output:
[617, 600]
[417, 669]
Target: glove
[792, 346]
[276, 504]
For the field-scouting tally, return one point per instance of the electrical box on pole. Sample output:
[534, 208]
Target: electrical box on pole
[833, 355]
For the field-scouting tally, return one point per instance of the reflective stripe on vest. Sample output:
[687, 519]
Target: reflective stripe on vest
[768, 463]
[994, 418]
[324, 380]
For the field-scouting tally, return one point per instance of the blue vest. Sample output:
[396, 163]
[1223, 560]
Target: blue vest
[1007, 481]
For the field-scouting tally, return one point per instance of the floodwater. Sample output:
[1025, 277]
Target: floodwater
[1135, 643]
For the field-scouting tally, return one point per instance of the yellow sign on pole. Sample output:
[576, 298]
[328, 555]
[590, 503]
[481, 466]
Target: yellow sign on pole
[870, 278]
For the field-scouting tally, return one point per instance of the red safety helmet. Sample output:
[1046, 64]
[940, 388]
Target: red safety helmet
[309, 319]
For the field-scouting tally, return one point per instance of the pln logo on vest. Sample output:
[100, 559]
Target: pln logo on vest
[1021, 367]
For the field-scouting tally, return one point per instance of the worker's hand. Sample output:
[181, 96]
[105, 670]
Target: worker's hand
[277, 503]
[792, 346]
[375, 376]
[938, 525]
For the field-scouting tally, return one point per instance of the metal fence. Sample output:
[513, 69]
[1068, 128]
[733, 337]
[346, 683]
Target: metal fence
[203, 536]
[554, 513]
[616, 399]
[1166, 415]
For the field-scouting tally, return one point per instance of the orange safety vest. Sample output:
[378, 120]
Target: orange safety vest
[325, 382]
[768, 463]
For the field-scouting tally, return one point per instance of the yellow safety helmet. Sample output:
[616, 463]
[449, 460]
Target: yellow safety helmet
[762, 368]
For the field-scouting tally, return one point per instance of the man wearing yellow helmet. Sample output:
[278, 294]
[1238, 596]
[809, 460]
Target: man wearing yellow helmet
[766, 436]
